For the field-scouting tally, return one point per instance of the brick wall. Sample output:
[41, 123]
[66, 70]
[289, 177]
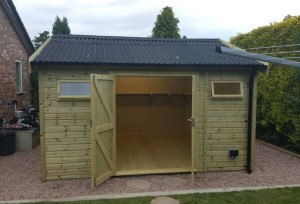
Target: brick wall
[11, 49]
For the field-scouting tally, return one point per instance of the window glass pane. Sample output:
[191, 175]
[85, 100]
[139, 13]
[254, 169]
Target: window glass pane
[227, 88]
[75, 88]
[19, 76]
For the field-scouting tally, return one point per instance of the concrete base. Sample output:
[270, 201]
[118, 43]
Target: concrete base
[27, 139]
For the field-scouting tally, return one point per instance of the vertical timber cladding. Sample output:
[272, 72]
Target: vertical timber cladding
[225, 125]
[67, 149]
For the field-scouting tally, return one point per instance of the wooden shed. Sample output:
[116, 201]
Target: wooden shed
[113, 106]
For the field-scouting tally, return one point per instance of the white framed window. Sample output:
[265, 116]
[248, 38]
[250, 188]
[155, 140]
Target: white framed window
[73, 89]
[227, 89]
[19, 76]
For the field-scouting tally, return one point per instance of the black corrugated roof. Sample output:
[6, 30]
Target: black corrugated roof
[107, 50]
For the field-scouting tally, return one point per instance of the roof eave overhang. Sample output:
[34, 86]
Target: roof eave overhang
[260, 67]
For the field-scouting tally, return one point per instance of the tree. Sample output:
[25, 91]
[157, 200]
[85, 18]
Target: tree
[34, 88]
[166, 25]
[60, 26]
[38, 41]
[287, 17]
[278, 113]
[33, 77]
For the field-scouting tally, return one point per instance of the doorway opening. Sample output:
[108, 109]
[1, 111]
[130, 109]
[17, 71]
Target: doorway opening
[153, 134]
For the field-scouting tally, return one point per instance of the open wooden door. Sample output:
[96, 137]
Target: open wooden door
[103, 128]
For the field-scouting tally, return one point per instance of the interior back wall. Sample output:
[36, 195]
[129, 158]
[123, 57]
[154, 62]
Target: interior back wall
[151, 113]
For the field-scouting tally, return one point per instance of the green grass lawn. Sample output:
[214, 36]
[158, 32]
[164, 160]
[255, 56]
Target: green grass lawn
[272, 196]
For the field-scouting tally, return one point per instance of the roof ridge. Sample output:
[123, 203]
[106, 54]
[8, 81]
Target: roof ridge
[133, 38]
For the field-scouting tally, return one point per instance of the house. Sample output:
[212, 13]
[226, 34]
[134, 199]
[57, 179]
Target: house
[112, 106]
[16, 47]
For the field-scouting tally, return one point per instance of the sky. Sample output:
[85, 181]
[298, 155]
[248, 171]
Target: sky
[198, 18]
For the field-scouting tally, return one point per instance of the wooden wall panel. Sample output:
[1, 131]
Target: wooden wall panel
[42, 127]
[226, 126]
[66, 127]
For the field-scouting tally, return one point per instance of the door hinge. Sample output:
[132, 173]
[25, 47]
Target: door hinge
[94, 81]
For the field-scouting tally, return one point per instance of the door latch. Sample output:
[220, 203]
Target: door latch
[193, 121]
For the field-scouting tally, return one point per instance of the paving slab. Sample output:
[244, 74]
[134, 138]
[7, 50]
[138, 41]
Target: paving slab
[164, 200]
[138, 183]
[174, 181]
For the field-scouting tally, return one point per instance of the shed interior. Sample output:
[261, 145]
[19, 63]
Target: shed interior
[153, 131]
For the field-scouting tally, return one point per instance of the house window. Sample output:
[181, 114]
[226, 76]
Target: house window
[19, 77]
[73, 89]
[227, 89]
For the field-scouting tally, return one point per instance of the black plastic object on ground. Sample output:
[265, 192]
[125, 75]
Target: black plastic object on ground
[7, 142]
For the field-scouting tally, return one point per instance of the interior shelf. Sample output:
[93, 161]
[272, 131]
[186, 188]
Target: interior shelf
[186, 94]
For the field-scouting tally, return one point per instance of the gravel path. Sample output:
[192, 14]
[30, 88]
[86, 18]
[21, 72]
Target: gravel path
[20, 178]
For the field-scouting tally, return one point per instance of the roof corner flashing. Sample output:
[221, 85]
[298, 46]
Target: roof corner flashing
[260, 57]
[39, 50]
[230, 45]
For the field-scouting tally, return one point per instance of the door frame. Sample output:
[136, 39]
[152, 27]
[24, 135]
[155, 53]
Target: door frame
[194, 79]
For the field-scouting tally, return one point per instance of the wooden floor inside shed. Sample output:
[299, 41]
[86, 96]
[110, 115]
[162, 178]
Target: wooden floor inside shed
[153, 153]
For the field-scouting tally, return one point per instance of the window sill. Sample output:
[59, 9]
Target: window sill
[226, 98]
[74, 98]
[20, 93]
